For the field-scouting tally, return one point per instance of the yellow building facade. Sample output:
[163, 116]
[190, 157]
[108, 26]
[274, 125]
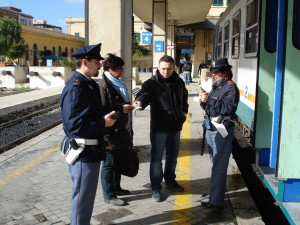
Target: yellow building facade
[76, 26]
[36, 39]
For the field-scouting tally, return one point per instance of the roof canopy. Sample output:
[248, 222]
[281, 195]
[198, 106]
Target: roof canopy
[184, 11]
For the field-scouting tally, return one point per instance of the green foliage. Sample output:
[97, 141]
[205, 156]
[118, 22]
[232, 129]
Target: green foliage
[68, 62]
[138, 50]
[16, 51]
[40, 53]
[142, 57]
[10, 34]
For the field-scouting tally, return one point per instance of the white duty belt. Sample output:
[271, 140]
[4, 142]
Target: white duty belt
[219, 126]
[85, 141]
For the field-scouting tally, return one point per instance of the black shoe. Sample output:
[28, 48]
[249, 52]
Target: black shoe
[174, 186]
[211, 206]
[122, 192]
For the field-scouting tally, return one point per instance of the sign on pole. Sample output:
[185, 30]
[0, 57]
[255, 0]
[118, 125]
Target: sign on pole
[159, 46]
[147, 38]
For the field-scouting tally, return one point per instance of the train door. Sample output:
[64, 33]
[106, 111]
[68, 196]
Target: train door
[289, 138]
[266, 83]
[277, 129]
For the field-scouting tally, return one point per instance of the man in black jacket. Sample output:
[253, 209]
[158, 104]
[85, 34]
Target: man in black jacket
[167, 96]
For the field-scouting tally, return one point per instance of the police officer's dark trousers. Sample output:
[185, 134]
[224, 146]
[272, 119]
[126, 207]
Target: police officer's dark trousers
[219, 151]
[85, 181]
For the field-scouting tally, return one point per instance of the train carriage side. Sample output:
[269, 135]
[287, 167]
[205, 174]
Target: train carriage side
[237, 39]
[264, 54]
[279, 155]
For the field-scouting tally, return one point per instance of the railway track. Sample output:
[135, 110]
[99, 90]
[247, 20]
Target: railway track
[18, 130]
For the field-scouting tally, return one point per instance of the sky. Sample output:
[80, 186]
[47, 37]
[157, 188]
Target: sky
[54, 12]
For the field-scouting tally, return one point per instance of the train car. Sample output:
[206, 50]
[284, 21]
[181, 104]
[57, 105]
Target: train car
[261, 39]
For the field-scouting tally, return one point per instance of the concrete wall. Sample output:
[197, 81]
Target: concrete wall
[203, 43]
[48, 77]
[110, 22]
[10, 76]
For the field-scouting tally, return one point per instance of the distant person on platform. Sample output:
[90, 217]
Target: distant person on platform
[201, 66]
[84, 121]
[168, 98]
[182, 61]
[187, 71]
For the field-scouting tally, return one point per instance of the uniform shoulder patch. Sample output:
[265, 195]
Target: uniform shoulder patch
[230, 82]
[76, 82]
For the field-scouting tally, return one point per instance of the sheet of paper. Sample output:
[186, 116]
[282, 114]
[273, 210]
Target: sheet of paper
[137, 107]
[196, 99]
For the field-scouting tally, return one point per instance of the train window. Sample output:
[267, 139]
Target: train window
[219, 47]
[226, 40]
[235, 42]
[218, 3]
[296, 24]
[251, 36]
[271, 25]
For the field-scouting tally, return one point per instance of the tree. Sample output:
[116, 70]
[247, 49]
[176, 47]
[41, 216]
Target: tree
[68, 62]
[141, 55]
[16, 51]
[10, 35]
[138, 50]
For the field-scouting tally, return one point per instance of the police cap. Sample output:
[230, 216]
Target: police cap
[88, 52]
[220, 64]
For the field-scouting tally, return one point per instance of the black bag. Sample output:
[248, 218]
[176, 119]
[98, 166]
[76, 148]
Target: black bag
[129, 163]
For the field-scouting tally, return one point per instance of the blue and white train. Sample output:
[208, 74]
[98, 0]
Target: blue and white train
[261, 39]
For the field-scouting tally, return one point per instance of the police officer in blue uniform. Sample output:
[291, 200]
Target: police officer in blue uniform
[84, 121]
[221, 104]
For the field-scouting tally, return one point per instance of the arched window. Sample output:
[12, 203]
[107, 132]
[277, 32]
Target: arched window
[27, 53]
[66, 51]
[59, 51]
[72, 50]
[35, 58]
[53, 51]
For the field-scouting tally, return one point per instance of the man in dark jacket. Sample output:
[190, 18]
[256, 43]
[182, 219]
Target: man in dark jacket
[167, 96]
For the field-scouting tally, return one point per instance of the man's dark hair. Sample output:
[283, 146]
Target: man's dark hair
[166, 58]
[112, 62]
[79, 62]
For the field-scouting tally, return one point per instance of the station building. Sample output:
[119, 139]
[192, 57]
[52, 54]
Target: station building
[40, 36]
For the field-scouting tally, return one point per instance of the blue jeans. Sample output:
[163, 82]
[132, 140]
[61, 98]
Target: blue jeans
[219, 149]
[110, 173]
[160, 141]
[186, 77]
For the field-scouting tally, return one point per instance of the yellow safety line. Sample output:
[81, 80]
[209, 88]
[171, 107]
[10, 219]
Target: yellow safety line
[8, 178]
[183, 201]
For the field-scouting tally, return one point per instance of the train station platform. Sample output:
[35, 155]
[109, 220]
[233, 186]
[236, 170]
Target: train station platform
[18, 102]
[35, 185]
